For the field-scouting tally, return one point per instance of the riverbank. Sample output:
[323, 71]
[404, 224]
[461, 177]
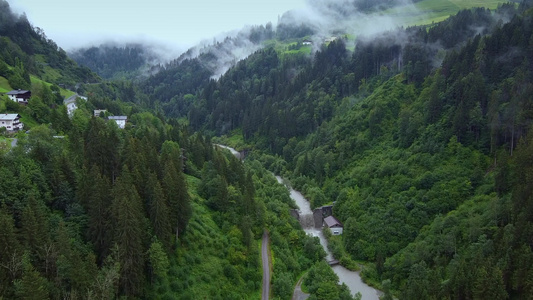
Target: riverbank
[352, 279]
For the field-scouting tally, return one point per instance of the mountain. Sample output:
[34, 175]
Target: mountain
[26, 50]
[419, 137]
[112, 61]
[153, 210]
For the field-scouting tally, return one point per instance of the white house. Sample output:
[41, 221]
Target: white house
[334, 225]
[98, 111]
[11, 122]
[71, 104]
[19, 95]
[120, 120]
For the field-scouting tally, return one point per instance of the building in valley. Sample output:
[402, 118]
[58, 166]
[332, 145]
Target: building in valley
[334, 225]
[11, 122]
[20, 96]
[120, 120]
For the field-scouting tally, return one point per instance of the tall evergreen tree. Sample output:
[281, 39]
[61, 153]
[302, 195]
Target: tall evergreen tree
[159, 212]
[10, 253]
[32, 285]
[129, 226]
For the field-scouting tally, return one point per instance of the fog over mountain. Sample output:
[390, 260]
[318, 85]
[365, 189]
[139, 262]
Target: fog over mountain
[317, 21]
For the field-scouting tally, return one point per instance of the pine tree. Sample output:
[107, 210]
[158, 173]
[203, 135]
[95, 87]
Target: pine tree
[32, 285]
[34, 231]
[177, 196]
[10, 252]
[159, 213]
[94, 192]
[129, 226]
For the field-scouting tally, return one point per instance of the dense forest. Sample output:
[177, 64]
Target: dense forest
[419, 136]
[25, 50]
[111, 61]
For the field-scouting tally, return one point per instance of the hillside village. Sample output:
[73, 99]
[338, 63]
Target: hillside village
[12, 122]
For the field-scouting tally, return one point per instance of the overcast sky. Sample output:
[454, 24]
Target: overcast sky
[178, 23]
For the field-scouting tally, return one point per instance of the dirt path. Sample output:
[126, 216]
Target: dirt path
[265, 258]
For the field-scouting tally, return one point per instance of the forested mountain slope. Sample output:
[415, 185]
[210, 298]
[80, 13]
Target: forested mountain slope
[422, 143]
[114, 61]
[25, 50]
[420, 138]
[88, 210]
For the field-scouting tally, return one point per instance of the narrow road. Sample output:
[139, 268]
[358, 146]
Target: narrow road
[298, 293]
[265, 258]
[14, 143]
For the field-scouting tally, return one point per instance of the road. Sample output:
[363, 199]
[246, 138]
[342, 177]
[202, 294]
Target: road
[265, 258]
[298, 293]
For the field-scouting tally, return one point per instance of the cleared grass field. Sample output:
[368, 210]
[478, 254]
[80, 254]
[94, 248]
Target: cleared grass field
[424, 12]
[4, 85]
[429, 11]
[63, 92]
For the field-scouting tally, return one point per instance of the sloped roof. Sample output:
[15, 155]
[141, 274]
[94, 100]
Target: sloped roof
[9, 117]
[17, 92]
[331, 221]
[117, 117]
[71, 99]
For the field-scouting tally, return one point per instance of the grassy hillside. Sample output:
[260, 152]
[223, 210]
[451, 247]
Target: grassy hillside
[430, 11]
[4, 85]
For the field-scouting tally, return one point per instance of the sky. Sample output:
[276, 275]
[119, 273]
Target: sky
[179, 24]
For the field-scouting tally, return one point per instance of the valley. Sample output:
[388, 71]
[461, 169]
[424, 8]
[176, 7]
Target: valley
[408, 124]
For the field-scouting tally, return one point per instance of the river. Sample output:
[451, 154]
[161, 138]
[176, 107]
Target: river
[233, 151]
[350, 278]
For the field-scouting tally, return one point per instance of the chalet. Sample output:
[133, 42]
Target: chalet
[71, 104]
[334, 225]
[97, 112]
[307, 43]
[11, 122]
[120, 120]
[20, 96]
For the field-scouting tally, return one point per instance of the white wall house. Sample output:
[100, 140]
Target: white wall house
[120, 120]
[97, 112]
[334, 225]
[11, 122]
[71, 104]
[19, 95]
[71, 107]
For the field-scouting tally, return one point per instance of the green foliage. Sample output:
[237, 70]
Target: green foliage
[429, 170]
[158, 259]
[322, 283]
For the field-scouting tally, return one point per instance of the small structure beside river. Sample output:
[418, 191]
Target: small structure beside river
[334, 225]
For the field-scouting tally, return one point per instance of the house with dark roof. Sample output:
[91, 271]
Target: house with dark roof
[20, 96]
[11, 122]
[334, 225]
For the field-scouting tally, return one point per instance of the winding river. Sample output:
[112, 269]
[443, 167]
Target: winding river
[350, 278]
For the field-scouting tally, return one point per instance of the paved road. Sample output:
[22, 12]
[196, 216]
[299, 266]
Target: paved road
[265, 258]
[14, 143]
[298, 293]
